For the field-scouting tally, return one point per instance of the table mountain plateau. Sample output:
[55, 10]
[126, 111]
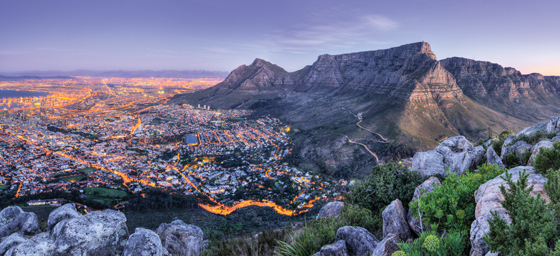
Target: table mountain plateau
[403, 93]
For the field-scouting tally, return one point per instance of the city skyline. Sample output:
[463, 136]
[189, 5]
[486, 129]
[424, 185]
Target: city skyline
[221, 35]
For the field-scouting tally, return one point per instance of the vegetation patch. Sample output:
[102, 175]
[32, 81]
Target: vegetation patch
[105, 192]
[2, 187]
[73, 178]
[87, 170]
[548, 159]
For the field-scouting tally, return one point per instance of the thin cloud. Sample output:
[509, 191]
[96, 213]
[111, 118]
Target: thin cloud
[326, 33]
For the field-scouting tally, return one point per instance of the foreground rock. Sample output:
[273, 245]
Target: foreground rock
[553, 126]
[424, 188]
[14, 220]
[37, 245]
[387, 246]
[143, 242]
[493, 158]
[533, 129]
[488, 199]
[359, 241]
[179, 238]
[394, 221]
[338, 248]
[96, 233]
[455, 153]
[67, 211]
[331, 209]
[11, 241]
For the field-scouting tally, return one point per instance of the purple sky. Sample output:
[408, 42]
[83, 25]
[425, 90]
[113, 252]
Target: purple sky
[221, 35]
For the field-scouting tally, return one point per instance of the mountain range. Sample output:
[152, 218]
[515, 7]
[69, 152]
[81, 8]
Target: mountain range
[403, 94]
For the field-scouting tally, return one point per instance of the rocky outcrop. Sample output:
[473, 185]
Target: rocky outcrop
[455, 153]
[488, 199]
[14, 220]
[338, 248]
[537, 149]
[394, 221]
[180, 238]
[332, 209]
[518, 148]
[424, 188]
[493, 158]
[96, 233]
[67, 211]
[143, 242]
[553, 126]
[533, 129]
[359, 241]
[387, 246]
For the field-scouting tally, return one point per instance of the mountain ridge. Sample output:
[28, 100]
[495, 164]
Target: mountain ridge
[403, 92]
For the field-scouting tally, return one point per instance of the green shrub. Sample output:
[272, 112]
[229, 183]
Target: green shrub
[533, 229]
[249, 246]
[429, 243]
[385, 183]
[451, 206]
[354, 215]
[548, 158]
[499, 142]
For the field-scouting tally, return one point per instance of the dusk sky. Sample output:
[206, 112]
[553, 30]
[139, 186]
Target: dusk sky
[221, 35]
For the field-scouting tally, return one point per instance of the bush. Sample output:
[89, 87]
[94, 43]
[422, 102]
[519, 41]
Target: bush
[250, 246]
[451, 206]
[385, 183]
[354, 215]
[533, 229]
[430, 244]
[497, 144]
[548, 159]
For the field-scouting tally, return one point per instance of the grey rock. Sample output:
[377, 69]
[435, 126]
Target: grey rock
[8, 214]
[493, 158]
[553, 126]
[11, 241]
[537, 149]
[24, 223]
[518, 148]
[487, 143]
[455, 153]
[37, 245]
[387, 246]
[424, 188]
[143, 242]
[332, 209]
[555, 139]
[180, 238]
[359, 241]
[96, 233]
[488, 199]
[428, 163]
[394, 221]
[67, 211]
[533, 129]
[338, 248]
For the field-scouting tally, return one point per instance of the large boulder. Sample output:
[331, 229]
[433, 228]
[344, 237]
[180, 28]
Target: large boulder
[518, 148]
[331, 209]
[537, 149]
[533, 129]
[67, 211]
[14, 220]
[553, 126]
[455, 153]
[359, 241]
[338, 248]
[493, 158]
[424, 188]
[143, 242]
[488, 199]
[11, 241]
[394, 221]
[180, 238]
[387, 246]
[96, 233]
[37, 245]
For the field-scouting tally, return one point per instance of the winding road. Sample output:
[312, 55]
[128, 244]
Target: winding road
[360, 119]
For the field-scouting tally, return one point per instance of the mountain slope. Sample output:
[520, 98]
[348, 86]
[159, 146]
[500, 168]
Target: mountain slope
[403, 93]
